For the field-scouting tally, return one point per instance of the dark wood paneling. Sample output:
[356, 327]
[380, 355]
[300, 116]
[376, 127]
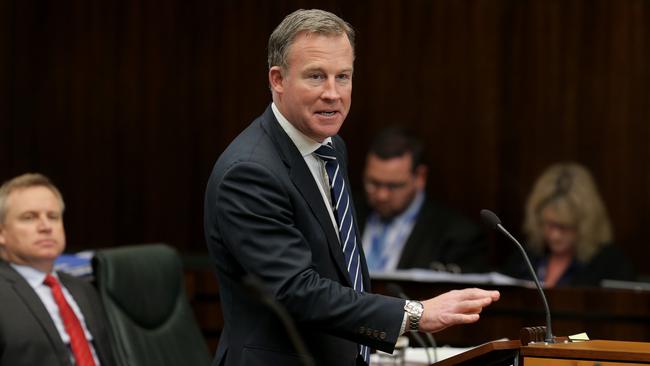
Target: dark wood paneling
[126, 104]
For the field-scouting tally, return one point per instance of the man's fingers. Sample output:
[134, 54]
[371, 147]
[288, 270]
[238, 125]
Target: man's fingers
[473, 306]
[477, 293]
[455, 319]
[468, 318]
[455, 307]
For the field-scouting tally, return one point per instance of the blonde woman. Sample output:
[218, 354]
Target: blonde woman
[569, 235]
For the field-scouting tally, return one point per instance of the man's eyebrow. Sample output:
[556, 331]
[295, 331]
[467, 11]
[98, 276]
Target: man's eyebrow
[313, 68]
[320, 69]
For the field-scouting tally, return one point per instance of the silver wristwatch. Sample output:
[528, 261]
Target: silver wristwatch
[414, 310]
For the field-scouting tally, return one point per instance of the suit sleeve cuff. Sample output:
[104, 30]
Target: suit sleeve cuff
[403, 329]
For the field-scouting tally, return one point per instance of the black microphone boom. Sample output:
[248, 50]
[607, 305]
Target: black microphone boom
[491, 219]
[257, 289]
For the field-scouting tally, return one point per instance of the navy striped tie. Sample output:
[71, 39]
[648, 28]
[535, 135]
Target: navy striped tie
[347, 230]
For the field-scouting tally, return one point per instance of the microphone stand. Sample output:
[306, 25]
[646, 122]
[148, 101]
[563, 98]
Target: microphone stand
[257, 288]
[434, 345]
[493, 220]
[549, 333]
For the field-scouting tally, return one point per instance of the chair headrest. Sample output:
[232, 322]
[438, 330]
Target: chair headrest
[144, 281]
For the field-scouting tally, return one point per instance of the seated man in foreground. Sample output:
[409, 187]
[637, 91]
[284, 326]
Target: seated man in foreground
[47, 318]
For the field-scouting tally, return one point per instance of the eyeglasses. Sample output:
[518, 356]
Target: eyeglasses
[373, 185]
[552, 225]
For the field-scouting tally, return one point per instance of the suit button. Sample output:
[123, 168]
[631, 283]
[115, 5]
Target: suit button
[382, 335]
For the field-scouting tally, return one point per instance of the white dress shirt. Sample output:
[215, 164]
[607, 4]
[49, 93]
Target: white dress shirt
[390, 237]
[306, 146]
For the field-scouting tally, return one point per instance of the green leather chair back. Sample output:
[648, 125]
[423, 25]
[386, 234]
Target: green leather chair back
[150, 317]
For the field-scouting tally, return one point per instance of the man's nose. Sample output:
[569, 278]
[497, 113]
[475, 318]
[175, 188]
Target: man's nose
[44, 224]
[382, 192]
[331, 90]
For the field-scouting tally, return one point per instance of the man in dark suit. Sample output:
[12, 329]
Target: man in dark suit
[46, 318]
[277, 209]
[401, 227]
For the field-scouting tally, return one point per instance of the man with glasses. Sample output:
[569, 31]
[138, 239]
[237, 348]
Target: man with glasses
[403, 229]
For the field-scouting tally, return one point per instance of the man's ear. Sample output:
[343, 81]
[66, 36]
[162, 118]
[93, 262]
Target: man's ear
[421, 172]
[2, 236]
[276, 78]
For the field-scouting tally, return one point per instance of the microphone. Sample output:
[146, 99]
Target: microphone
[259, 290]
[395, 290]
[490, 218]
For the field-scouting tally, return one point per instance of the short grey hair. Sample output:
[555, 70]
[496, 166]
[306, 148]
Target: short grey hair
[27, 180]
[313, 21]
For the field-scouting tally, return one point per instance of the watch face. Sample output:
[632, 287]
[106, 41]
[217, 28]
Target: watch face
[419, 306]
[415, 307]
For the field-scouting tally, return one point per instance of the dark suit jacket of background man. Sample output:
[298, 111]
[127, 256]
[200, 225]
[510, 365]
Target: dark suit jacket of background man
[441, 235]
[28, 336]
[265, 215]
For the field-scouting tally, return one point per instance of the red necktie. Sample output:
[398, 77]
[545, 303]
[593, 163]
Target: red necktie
[78, 342]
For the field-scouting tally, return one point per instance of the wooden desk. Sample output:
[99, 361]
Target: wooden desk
[491, 353]
[602, 313]
[589, 353]
[597, 352]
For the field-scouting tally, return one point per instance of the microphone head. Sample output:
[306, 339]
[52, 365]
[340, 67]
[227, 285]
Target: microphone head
[394, 290]
[490, 218]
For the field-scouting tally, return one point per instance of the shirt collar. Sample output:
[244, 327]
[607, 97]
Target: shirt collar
[409, 214]
[305, 144]
[32, 275]
[414, 207]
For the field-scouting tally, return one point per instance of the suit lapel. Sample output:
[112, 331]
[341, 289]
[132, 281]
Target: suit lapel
[36, 307]
[82, 301]
[88, 311]
[304, 182]
[425, 230]
[410, 251]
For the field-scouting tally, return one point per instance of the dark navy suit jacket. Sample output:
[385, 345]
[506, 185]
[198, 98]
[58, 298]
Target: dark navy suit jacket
[265, 216]
[28, 335]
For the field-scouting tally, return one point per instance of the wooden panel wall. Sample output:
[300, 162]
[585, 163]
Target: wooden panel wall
[126, 104]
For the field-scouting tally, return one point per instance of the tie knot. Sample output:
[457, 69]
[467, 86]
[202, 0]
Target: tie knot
[325, 152]
[50, 281]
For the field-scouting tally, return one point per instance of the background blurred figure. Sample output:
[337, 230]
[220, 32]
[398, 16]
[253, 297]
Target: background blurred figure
[46, 318]
[568, 232]
[401, 227]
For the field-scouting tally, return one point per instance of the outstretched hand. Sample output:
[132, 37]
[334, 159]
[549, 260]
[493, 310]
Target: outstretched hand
[455, 307]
